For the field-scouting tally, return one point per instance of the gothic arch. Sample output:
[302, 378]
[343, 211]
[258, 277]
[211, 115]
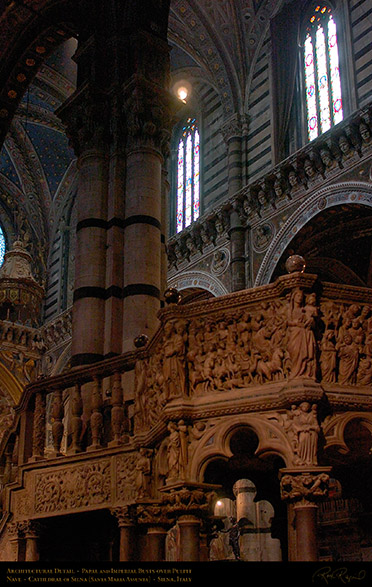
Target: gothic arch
[216, 442]
[328, 197]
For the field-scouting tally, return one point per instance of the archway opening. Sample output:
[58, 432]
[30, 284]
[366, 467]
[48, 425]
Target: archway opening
[249, 490]
[348, 510]
[336, 244]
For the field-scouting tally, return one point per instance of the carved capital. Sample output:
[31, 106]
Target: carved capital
[188, 501]
[153, 514]
[148, 114]
[31, 528]
[234, 128]
[86, 118]
[304, 487]
[125, 515]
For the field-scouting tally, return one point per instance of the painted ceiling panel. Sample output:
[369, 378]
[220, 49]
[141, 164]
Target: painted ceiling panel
[7, 168]
[53, 151]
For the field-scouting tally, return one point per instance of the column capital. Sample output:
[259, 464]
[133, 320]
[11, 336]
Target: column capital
[152, 514]
[235, 127]
[189, 500]
[149, 112]
[304, 486]
[86, 116]
[125, 515]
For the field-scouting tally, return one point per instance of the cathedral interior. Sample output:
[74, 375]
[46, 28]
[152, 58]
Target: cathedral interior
[185, 280]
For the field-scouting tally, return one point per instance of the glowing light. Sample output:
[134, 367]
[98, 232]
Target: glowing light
[182, 93]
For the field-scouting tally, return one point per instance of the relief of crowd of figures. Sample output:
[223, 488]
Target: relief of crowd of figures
[281, 339]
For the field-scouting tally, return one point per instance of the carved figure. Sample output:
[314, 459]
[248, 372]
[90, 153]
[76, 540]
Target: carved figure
[173, 451]
[328, 357]
[174, 358]
[301, 340]
[348, 355]
[306, 428]
[143, 472]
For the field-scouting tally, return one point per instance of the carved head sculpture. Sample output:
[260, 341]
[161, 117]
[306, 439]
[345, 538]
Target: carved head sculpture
[297, 298]
[219, 225]
[326, 158]
[292, 178]
[311, 299]
[261, 196]
[309, 168]
[278, 188]
[344, 145]
[247, 207]
[364, 132]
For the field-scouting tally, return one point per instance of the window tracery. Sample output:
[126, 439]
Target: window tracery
[188, 175]
[321, 72]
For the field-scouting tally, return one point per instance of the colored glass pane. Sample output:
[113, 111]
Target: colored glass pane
[321, 72]
[180, 186]
[196, 176]
[334, 72]
[188, 176]
[323, 86]
[312, 116]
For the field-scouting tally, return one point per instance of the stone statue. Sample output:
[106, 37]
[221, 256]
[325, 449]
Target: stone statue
[328, 357]
[173, 451]
[348, 357]
[174, 358]
[143, 472]
[306, 431]
[301, 340]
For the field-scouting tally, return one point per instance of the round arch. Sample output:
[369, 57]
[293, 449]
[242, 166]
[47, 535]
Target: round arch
[215, 443]
[198, 279]
[328, 197]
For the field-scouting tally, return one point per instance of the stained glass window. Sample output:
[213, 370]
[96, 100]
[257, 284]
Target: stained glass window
[188, 176]
[2, 245]
[322, 74]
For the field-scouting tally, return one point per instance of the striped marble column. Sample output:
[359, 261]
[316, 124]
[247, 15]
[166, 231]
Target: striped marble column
[90, 264]
[142, 244]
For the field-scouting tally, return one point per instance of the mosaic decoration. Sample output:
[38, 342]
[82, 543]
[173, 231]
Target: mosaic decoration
[2, 245]
[188, 176]
[322, 74]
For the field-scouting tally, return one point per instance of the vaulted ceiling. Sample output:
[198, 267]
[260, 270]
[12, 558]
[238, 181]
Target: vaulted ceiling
[214, 43]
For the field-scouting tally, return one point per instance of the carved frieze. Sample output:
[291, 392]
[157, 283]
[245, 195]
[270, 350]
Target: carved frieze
[126, 476]
[73, 488]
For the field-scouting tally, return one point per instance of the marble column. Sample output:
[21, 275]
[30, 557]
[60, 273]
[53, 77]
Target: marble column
[302, 488]
[86, 118]
[115, 238]
[148, 120]
[127, 528]
[189, 526]
[15, 538]
[237, 250]
[156, 536]
[32, 535]
[232, 134]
